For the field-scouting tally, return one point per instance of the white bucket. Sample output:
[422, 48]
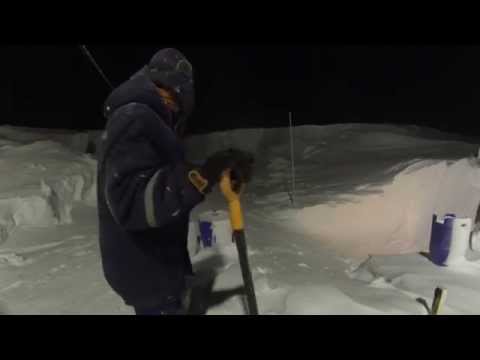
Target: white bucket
[220, 225]
[475, 240]
[461, 230]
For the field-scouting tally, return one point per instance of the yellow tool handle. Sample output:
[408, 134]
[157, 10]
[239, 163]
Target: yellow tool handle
[236, 215]
[236, 220]
[233, 199]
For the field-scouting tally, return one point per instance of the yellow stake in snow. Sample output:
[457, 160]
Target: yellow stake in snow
[438, 300]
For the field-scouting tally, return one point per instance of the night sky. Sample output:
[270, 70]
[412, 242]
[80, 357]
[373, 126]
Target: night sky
[246, 85]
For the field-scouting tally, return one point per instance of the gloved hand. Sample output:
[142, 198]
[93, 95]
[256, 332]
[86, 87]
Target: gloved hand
[240, 163]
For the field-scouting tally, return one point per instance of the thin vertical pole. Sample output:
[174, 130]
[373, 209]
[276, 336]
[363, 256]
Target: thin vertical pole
[292, 157]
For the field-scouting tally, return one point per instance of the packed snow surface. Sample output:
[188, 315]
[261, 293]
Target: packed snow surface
[346, 241]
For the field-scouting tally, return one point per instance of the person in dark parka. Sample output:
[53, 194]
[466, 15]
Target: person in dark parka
[146, 189]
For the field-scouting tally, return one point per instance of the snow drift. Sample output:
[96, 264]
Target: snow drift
[74, 140]
[42, 180]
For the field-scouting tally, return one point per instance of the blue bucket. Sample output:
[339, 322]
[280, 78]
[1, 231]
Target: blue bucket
[207, 237]
[441, 239]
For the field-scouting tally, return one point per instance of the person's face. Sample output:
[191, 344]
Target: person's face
[169, 99]
[171, 104]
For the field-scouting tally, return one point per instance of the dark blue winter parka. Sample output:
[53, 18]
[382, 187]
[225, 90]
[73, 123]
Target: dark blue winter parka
[144, 197]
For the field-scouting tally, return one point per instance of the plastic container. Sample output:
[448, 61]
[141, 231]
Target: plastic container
[475, 240]
[193, 238]
[450, 238]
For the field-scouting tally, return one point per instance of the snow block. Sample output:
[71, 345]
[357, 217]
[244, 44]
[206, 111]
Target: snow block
[45, 180]
[449, 240]
[31, 211]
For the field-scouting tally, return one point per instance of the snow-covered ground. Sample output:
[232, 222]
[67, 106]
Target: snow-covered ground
[349, 242]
